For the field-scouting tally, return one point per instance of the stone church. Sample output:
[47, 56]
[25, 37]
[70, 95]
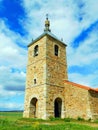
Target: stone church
[48, 91]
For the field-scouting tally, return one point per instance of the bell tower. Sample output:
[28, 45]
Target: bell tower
[46, 70]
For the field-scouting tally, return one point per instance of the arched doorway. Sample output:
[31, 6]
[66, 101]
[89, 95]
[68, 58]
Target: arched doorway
[34, 107]
[58, 107]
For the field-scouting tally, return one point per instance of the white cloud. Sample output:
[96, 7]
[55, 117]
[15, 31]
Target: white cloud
[87, 80]
[4, 93]
[11, 106]
[12, 81]
[91, 10]
[63, 16]
[86, 53]
[13, 58]
[11, 54]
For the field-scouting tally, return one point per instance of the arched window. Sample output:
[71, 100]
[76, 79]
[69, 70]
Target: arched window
[56, 49]
[36, 50]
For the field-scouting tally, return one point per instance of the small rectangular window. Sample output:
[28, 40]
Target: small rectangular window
[34, 81]
[36, 50]
[56, 48]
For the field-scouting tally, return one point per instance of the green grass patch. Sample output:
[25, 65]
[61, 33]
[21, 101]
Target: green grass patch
[14, 125]
[11, 115]
[14, 121]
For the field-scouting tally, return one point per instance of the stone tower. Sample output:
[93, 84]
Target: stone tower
[46, 70]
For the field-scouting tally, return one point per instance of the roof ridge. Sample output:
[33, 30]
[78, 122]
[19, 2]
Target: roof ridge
[81, 86]
[49, 34]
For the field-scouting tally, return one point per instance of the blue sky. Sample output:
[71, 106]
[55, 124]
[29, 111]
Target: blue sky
[23, 20]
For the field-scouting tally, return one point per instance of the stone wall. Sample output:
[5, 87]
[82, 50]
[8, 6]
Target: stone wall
[56, 71]
[93, 99]
[54, 92]
[56, 66]
[76, 102]
[36, 69]
[40, 95]
[49, 71]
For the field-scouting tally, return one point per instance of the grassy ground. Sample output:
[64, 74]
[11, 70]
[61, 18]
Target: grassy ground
[11, 115]
[14, 121]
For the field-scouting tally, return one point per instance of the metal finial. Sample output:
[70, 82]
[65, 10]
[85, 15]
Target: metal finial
[47, 24]
[47, 16]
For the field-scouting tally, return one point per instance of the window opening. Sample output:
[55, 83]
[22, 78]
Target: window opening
[56, 50]
[34, 107]
[58, 107]
[36, 50]
[34, 81]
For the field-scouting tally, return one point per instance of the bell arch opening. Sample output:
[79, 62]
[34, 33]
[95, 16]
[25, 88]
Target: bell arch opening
[34, 107]
[58, 107]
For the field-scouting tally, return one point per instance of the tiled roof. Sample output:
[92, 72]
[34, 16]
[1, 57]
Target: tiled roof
[49, 34]
[96, 89]
[80, 86]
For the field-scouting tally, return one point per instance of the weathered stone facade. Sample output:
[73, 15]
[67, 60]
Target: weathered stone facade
[93, 102]
[48, 91]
